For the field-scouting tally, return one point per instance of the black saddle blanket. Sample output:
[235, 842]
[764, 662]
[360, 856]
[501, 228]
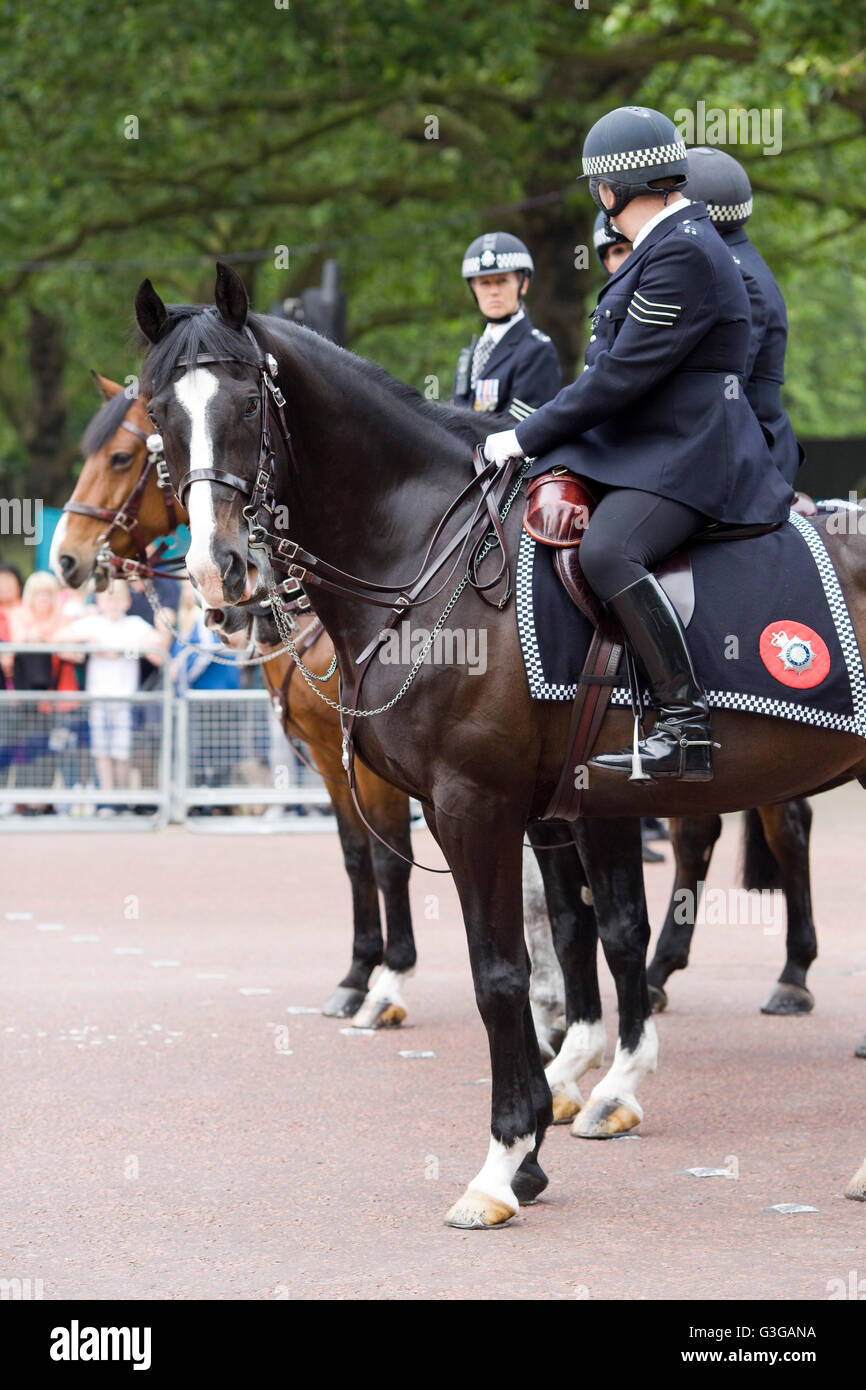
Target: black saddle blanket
[770, 632]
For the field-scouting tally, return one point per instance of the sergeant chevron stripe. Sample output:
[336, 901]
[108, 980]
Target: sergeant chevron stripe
[519, 409]
[650, 311]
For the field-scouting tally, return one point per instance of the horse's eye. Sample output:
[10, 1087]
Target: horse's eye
[121, 460]
[251, 406]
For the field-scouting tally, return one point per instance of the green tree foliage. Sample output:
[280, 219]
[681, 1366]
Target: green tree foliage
[148, 138]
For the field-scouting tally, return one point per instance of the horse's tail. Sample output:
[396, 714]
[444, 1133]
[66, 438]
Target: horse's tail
[759, 867]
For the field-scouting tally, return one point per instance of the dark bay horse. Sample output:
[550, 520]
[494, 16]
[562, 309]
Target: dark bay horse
[370, 472]
[116, 459]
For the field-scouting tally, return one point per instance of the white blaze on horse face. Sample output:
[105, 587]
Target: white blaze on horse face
[56, 545]
[194, 392]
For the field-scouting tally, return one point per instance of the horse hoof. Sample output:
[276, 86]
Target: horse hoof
[860, 1049]
[564, 1108]
[658, 999]
[475, 1211]
[602, 1119]
[344, 1002]
[788, 999]
[856, 1188]
[528, 1183]
[379, 1013]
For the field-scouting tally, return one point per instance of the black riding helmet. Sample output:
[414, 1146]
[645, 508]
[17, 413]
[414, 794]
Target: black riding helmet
[604, 235]
[721, 182]
[630, 149]
[495, 253]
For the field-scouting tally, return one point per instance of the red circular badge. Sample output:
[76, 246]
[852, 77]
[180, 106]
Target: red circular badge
[794, 654]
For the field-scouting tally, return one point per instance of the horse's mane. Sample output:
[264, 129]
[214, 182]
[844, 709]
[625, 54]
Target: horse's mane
[104, 424]
[193, 329]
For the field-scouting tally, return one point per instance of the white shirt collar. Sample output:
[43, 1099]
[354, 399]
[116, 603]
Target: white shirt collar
[495, 331]
[659, 217]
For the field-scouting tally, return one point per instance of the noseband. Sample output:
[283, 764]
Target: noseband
[125, 517]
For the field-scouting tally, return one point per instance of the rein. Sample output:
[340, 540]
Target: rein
[472, 543]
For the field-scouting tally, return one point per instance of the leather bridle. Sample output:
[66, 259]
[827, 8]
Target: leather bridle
[126, 516]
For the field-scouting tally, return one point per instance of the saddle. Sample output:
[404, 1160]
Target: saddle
[558, 508]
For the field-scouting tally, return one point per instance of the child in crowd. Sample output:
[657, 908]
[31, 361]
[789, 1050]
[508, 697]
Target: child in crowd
[114, 670]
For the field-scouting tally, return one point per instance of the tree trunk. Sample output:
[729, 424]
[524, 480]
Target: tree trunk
[49, 455]
[561, 295]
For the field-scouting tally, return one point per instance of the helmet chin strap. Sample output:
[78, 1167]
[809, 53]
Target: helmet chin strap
[623, 195]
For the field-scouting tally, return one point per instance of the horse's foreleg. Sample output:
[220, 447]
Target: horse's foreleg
[485, 857]
[388, 812]
[692, 839]
[575, 937]
[611, 853]
[786, 830]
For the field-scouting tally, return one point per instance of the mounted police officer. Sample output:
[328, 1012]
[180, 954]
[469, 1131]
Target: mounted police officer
[611, 246]
[658, 419]
[722, 183]
[512, 366]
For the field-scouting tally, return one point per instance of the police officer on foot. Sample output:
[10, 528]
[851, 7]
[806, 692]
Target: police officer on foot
[610, 245]
[722, 183]
[658, 419]
[512, 366]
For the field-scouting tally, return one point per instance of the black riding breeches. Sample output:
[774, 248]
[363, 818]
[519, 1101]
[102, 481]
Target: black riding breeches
[629, 533]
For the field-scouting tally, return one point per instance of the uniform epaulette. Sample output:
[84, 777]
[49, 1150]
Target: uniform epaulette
[542, 337]
[689, 226]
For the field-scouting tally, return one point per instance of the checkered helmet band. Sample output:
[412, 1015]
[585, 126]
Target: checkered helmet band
[489, 262]
[730, 212]
[651, 157]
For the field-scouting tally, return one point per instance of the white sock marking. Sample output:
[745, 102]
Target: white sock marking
[583, 1048]
[501, 1164]
[629, 1069]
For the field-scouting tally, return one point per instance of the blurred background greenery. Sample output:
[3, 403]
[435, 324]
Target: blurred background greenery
[306, 124]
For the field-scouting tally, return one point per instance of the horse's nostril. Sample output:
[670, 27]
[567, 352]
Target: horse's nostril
[67, 564]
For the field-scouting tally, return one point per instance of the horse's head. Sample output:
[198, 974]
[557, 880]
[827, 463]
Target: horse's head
[117, 500]
[203, 378]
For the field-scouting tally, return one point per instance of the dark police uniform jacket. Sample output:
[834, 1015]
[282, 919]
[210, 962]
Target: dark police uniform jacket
[521, 373]
[660, 404]
[765, 365]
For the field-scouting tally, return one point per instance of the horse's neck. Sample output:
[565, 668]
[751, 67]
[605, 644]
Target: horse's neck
[373, 481]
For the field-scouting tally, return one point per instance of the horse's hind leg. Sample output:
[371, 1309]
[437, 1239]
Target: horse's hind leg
[388, 812]
[575, 937]
[786, 830]
[367, 946]
[693, 839]
[485, 857]
[611, 854]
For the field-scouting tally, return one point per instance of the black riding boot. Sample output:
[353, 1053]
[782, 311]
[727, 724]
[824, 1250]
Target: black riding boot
[680, 743]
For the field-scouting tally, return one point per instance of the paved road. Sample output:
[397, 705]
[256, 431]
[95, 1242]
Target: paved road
[164, 1139]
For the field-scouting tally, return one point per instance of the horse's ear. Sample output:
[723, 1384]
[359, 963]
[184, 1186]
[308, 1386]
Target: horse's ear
[230, 297]
[149, 311]
[105, 386]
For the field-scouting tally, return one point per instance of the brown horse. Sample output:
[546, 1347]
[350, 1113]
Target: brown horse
[366, 478]
[115, 457]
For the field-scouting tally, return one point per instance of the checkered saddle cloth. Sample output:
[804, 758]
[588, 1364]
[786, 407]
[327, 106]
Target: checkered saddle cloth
[770, 633]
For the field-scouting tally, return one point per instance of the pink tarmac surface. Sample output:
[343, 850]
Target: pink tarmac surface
[164, 1139]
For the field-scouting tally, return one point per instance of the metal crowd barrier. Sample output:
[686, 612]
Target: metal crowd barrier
[213, 760]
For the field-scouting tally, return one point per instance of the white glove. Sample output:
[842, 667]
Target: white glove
[499, 448]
